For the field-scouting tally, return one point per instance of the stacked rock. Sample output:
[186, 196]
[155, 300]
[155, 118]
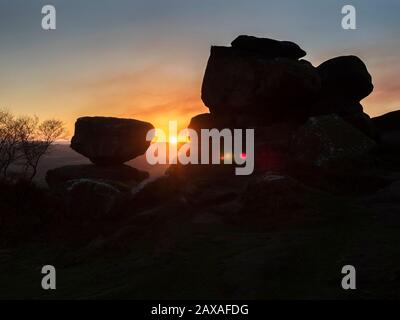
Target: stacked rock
[264, 84]
[108, 143]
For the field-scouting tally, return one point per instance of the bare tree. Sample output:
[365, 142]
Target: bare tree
[24, 141]
[37, 141]
[9, 140]
[5, 118]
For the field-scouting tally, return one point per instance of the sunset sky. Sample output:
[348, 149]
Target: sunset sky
[146, 59]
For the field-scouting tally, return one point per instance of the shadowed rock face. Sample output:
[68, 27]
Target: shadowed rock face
[326, 140]
[110, 141]
[57, 178]
[90, 199]
[208, 121]
[275, 89]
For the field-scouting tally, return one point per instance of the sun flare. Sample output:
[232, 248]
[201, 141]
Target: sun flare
[173, 140]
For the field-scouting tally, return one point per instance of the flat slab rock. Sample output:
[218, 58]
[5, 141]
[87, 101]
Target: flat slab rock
[110, 141]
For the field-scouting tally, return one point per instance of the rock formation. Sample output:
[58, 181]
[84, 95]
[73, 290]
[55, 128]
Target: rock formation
[261, 83]
[110, 141]
[314, 202]
[251, 84]
[308, 121]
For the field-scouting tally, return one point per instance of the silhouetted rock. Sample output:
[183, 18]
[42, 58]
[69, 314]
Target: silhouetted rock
[274, 89]
[158, 191]
[110, 141]
[388, 126]
[268, 48]
[337, 105]
[211, 121]
[272, 194]
[345, 81]
[57, 178]
[363, 122]
[89, 199]
[388, 122]
[345, 77]
[272, 145]
[327, 140]
[389, 194]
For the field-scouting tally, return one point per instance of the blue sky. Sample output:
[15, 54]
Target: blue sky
[132, 58]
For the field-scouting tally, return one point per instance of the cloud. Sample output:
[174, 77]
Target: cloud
[157, 93]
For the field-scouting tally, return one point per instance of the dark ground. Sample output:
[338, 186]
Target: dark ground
[211, 239]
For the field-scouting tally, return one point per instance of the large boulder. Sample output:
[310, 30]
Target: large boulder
[272, 89]
[90, 200]
[268, 48]
[345, 78]
[110, 141]
[345, 81]
[328, 140]
[120, 174]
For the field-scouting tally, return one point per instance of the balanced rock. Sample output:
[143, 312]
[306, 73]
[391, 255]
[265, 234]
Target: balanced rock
[268, 48]
[110, 141]
[273, 89]
[327, 140]
[345, 77]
